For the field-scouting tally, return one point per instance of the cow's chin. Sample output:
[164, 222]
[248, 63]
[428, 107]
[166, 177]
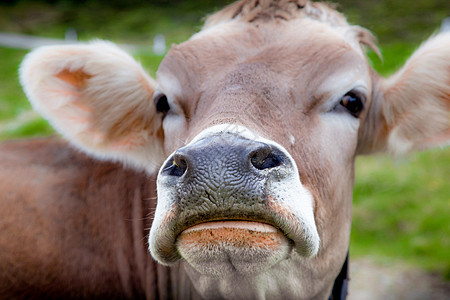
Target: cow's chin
[225, 248]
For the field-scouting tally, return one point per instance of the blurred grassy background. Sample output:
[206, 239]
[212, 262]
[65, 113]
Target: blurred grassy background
[401, 208]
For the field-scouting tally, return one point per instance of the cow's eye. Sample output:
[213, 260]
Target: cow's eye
[162, 105]
[353, 103]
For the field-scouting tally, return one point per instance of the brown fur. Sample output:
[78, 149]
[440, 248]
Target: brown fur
[74, 228]
[267, 10]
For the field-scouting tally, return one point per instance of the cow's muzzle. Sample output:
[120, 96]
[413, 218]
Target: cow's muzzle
[227, 201]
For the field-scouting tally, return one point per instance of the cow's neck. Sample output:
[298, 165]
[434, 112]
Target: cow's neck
[140, 275]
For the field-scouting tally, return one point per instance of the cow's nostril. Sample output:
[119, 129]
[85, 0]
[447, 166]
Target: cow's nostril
[265, 158]
[177, 166]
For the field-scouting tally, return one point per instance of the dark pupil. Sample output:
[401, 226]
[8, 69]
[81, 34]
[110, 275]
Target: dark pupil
[352, 103]
[162, 105]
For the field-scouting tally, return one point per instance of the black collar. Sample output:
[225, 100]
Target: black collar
[340, 286]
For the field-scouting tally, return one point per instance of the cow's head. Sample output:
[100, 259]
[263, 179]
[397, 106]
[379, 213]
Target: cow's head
[254, 125]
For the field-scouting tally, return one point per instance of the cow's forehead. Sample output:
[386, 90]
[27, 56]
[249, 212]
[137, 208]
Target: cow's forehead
[301, 53]
[257, 74]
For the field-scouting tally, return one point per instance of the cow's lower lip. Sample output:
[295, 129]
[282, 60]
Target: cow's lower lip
[251, 226]
[234, 233]
[231, 246]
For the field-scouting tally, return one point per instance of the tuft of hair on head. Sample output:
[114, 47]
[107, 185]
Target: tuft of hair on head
[250, 11]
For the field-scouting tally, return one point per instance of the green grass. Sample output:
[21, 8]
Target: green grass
[12, 99]
[401, 207]
[397, 20]
[14, 107]
[119, 22]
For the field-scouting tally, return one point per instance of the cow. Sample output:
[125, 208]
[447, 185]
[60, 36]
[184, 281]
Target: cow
[230, 176]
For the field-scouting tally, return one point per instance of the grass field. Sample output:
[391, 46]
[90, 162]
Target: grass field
[402, 207]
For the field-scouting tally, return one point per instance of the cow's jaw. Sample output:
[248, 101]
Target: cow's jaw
[234, 234]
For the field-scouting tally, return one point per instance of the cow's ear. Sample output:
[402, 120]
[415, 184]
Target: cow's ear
[411, 109]
[99, 98]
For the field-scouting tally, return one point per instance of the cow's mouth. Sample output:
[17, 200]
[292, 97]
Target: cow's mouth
[224, 242]
[230, 246]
